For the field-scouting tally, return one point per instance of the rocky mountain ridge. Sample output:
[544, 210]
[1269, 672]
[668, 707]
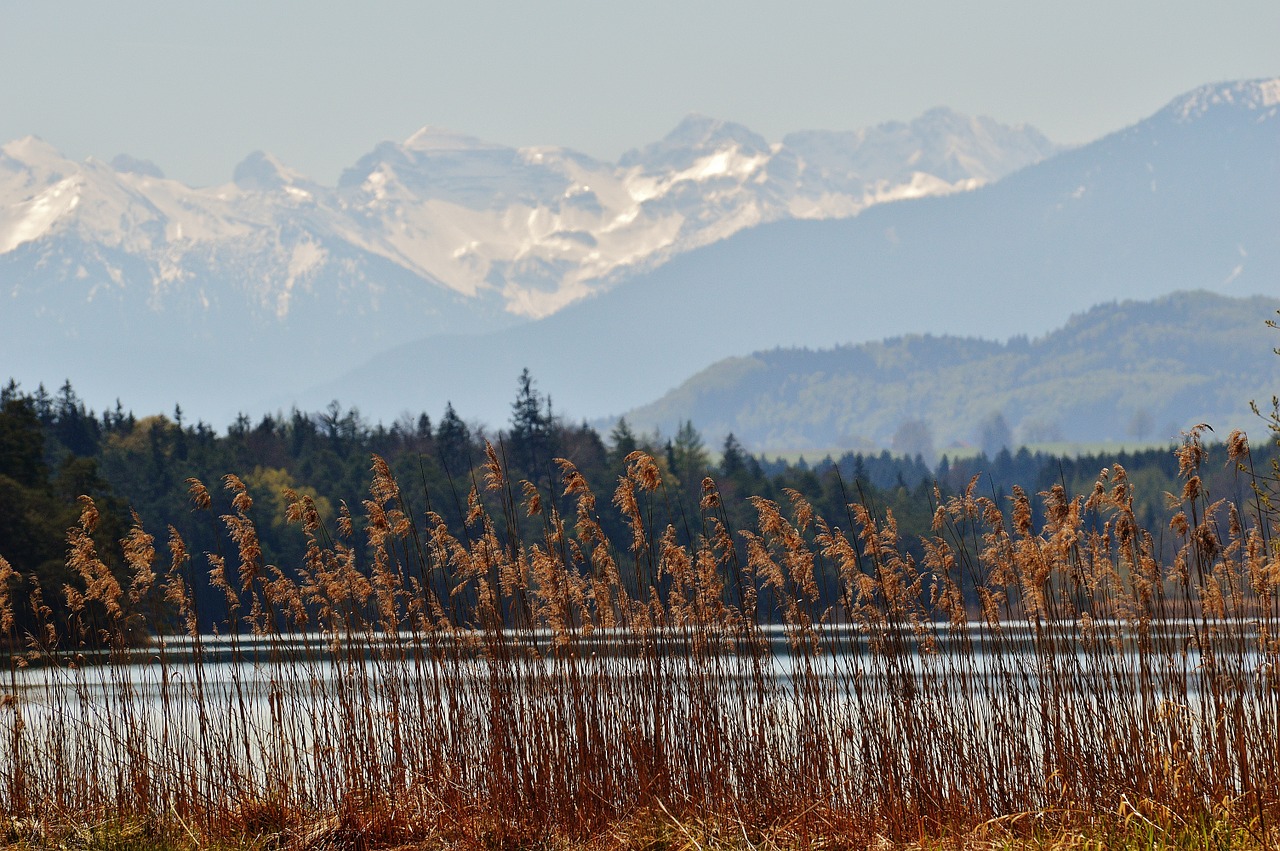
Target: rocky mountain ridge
[527, 230]
[1186, 199]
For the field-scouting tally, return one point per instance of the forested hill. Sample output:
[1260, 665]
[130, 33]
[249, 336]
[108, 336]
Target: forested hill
[1129, 370]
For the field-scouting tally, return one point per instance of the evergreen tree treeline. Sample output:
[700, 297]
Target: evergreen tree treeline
[53, 449]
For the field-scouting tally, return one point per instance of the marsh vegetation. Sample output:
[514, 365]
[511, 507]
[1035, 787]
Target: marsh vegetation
[524, 681]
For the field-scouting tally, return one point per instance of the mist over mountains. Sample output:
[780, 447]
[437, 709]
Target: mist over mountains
[1188, 199]
[439, 267]
[250, 291]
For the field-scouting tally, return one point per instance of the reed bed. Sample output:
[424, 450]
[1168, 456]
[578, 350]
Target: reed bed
[525, 682]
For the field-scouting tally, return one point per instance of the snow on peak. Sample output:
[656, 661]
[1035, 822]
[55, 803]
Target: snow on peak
[1251, 95]
[32, 150]
[537, 227]
[33, 218]
[694, 137]
[702, 131]
[126, 164]
[263, 172]
[432, 138]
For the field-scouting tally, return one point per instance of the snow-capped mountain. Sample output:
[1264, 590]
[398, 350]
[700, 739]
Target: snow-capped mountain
[546, 226]
[1186, 199]
[532, 228]
[279, 281]
[220, 297]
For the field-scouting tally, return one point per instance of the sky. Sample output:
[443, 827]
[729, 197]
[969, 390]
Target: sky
[195, 87]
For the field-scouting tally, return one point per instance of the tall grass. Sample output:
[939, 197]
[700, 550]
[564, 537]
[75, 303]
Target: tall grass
[526, 680]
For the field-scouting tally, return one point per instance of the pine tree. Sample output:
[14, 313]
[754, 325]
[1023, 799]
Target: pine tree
[453, 442]
[528, 442]
[622, 442]
[732, 457]
[688, 456]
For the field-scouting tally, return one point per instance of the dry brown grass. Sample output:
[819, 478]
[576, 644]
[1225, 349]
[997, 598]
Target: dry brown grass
[1037, 679]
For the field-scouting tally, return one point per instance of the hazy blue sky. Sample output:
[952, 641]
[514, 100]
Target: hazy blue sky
[195, 87]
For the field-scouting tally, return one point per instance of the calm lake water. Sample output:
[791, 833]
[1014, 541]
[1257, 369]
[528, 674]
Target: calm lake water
[287, 700]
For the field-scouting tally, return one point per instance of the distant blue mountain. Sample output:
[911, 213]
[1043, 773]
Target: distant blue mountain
[112, 275]
[1188, 199]
[1134, 371]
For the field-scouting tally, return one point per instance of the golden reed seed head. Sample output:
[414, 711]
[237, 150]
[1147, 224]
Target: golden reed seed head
[293, 506]
[137, 545]
[803, 510]
[493, 475]
[642, 469]
[310, 515]
[710, 496]
[139, 553]
[383, 488]
[1237, 445]
[7, 575]
[1021, 512]
[1206, 538]
[88, 513]
[532, 499]
[241, 502]
[574, 482]
[199, 494]
[1191, 454]
[1191, 490]
[1235, 529]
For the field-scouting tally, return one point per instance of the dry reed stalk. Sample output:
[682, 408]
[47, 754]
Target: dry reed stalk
[795, 675]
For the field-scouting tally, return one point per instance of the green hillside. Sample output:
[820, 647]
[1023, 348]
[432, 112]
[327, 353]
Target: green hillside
[1138, 371]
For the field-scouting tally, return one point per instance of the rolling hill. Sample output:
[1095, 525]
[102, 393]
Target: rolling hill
[1120, 371]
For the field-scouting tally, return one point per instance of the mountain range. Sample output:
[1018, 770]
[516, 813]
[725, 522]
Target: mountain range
[437, 268]
[1187, 199]
[121, 279]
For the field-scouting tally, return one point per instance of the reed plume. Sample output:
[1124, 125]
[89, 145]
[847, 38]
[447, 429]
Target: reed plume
[520, 679]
